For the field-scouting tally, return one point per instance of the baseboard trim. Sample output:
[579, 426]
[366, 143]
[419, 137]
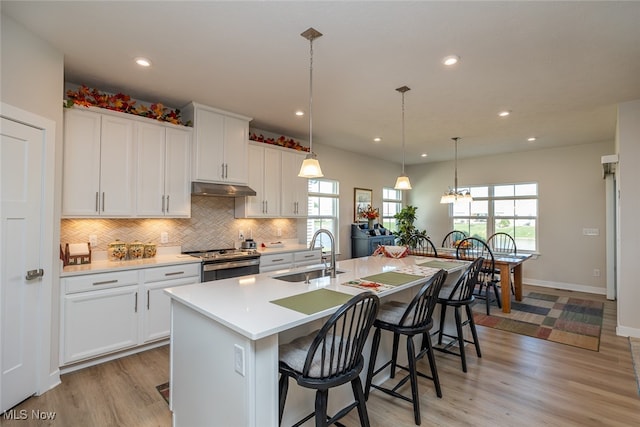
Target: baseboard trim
[625, 331]
[111, 356]
[565, 286]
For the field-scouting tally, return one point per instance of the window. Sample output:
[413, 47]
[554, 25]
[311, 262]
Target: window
[507, 208]
[391, 205]
[323, 210]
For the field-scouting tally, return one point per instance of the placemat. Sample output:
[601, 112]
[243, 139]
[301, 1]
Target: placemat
[313, 301]
[447, 265]
[393, 278]
[367, 285]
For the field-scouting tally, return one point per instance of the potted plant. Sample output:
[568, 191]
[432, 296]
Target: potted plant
[404, 220]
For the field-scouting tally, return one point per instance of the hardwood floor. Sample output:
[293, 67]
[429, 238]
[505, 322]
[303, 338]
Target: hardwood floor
[519, 381]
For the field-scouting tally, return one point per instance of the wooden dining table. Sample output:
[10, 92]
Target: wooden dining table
[505, 262]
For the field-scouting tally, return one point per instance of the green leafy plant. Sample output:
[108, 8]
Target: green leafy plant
[404, 221]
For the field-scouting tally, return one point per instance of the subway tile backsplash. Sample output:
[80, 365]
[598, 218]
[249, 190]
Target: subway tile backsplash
[212, 225]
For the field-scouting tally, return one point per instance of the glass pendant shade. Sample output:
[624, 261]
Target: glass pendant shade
[403, 183]
[453, 195]
[310, 167]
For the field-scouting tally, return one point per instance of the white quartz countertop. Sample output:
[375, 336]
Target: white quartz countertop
[243, 304]
[103, 266]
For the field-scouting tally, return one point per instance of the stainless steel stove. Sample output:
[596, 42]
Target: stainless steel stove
[225, 263]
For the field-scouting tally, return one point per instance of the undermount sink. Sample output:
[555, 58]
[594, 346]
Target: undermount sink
[302, 276]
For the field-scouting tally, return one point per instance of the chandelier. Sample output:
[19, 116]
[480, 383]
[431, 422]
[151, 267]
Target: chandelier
[453, 195]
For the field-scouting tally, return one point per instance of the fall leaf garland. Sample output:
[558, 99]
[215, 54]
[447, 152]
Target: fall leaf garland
[123, 103]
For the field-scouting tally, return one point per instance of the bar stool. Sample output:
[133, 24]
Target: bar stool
[408, 319]
[331, 357]
[461, 295]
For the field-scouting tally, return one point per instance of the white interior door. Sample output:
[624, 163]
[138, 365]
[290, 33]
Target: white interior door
[21, 198]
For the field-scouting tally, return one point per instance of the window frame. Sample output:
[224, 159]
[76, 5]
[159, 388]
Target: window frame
[385, 200]
[335, 218]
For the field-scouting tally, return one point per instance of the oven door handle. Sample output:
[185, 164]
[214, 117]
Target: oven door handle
[230, 264]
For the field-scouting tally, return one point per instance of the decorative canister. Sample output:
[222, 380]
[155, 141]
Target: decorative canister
[149, 250]
[117, 251]
[136, 250]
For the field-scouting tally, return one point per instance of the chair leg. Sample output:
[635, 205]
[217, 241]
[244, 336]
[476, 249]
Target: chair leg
[322, 396]
[426, 343]
[456, 311]
[394, 355]
[356, 385]
[497, 294]
[487, 302]
[474, 334]
[283, 388]
[372, 361]
[443, 311]
[411, 356]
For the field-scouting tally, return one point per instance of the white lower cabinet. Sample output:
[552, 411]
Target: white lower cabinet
[286, 260]
[157, 309]
[105, 313]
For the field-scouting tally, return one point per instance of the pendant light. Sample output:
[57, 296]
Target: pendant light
[403, 183]
[453, 195]
[310, 166]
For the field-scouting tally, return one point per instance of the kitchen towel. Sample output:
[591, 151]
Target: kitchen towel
[76, 249]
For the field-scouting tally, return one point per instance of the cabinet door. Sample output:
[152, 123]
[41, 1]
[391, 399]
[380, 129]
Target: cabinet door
[236, 137]
[254, 205]
[117, 167]
[99, 322]
[208, 160]
[177, 187]
[157, 309]
[272, 182]
[150, 170]
[81, 174]
[294, 189]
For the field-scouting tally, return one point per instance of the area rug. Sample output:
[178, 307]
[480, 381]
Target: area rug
[566, 320]
[634, 344]
[163, 389]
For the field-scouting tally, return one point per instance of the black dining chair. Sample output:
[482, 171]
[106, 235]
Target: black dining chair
[487, 282]
[329, 358]
[408, 319]
[456, 297]
[452, 237]
[503, 243]
[421, 245]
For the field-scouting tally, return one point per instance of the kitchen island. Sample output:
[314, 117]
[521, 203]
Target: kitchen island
[225, 337]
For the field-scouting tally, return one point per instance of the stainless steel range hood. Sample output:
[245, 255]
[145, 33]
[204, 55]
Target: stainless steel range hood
[220, 190]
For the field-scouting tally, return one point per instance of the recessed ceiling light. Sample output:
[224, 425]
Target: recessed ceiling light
[450, 60]
[423, 155]
[299, 113]
[504, 113]
[377, 139]
[533, 138]
[143, 62]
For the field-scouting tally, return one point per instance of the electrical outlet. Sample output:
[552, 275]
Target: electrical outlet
[278, 232]
[164, 237]
[238, 359]
[93, 240]
[240, 235]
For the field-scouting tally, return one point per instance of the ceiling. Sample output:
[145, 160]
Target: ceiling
[559, 67]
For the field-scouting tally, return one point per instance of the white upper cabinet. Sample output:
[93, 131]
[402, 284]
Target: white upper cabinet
[98, 177]
[273, 174]
[163, 172]
[220, 145]
[295, 190]
[264, 178]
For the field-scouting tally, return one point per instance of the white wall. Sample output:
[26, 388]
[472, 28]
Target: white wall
[571, 197]
[628, 178]
[32, 80]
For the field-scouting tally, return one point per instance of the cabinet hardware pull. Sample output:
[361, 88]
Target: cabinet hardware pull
[222, 173]
[97, 201]
[162, 204]
[309, 256]
[277, 260]
[148, 294]
[34, 274]
[135, 308]
[174, 273]
[167, 204]
[103, 201]
[105, 282]
[226, 170]
[266, 205]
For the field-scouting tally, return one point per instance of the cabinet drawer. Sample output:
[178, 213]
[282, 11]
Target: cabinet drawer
[276, 259]
[171, 272]
[94, 282]
[307, 256]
